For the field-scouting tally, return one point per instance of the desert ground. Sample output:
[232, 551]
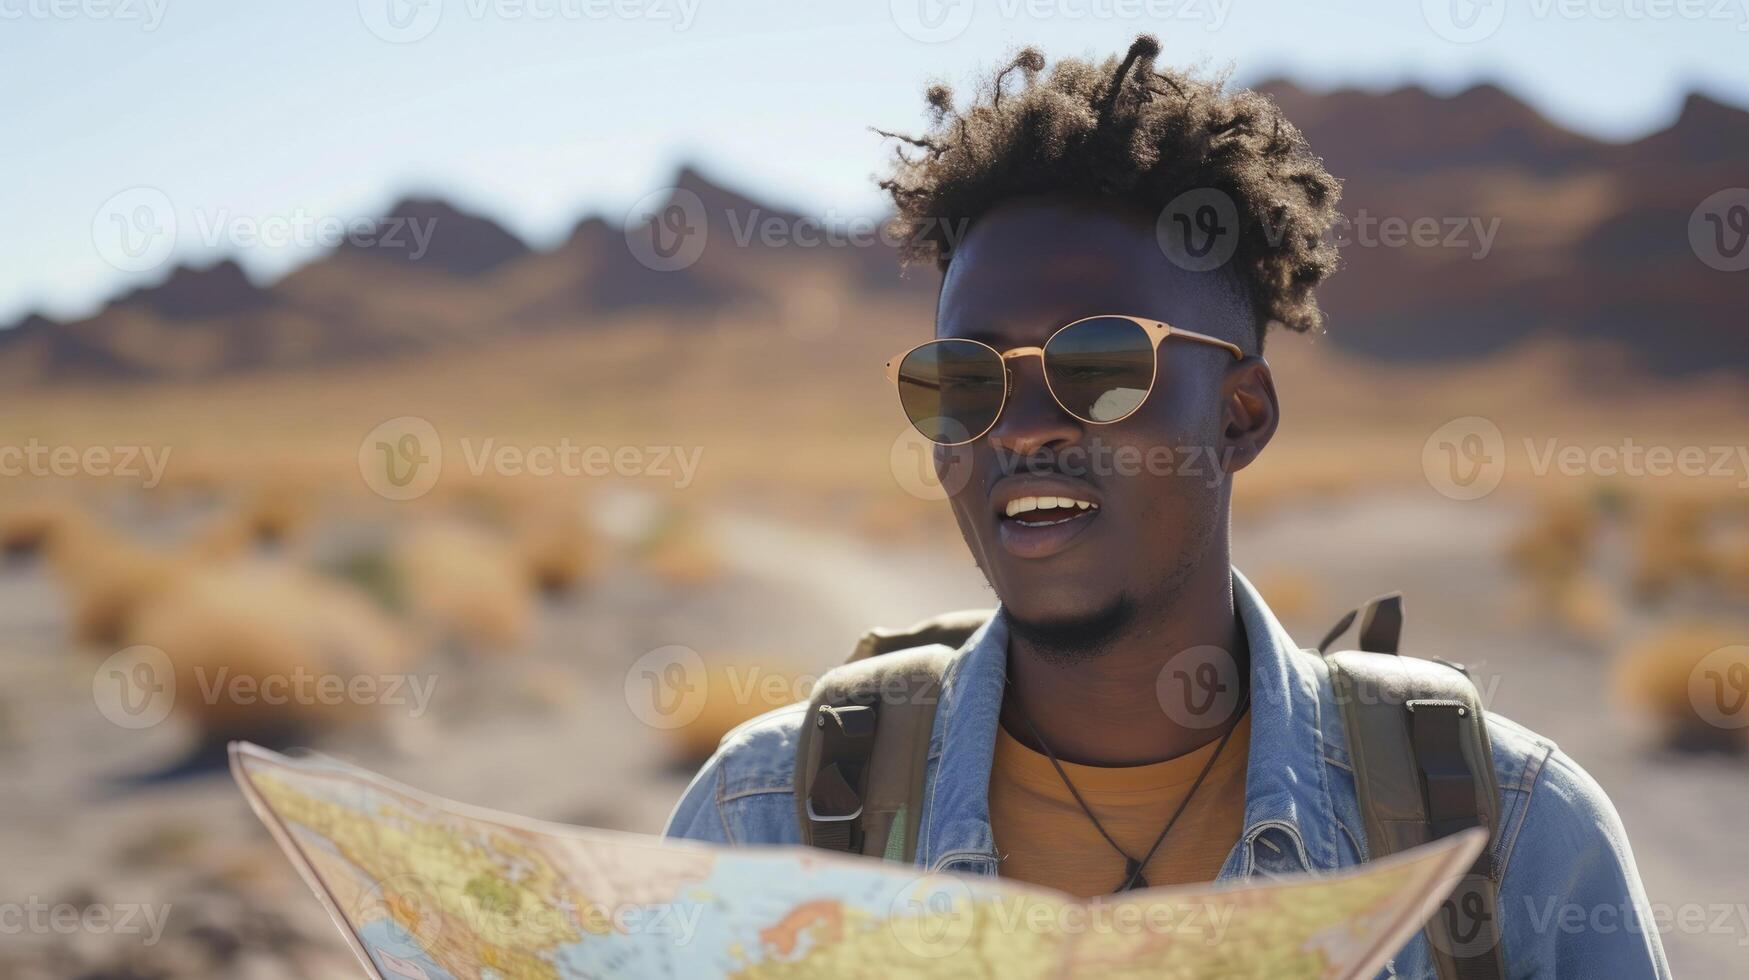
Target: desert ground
[802, 530]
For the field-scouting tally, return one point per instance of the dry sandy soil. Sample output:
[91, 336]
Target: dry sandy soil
[549, 733]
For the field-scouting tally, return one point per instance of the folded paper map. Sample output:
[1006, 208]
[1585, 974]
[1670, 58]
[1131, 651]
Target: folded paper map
[427, 889]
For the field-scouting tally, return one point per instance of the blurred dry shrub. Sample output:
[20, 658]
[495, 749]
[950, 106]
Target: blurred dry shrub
[27, 527]
[241, 623]
[464, 585]
[1669, 545]
[546, 523]
[1586, 606]
[1556, 543]
[273, 512]
[555, 544]
[223, 537]
[736, 689]
[1730, 563]
[1692, 679]
[678, 551]
[1553, 554]
[108, 577]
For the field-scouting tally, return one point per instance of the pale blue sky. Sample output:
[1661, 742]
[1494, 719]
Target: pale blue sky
[245, 112]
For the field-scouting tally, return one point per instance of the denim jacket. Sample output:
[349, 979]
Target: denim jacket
[1571, 902]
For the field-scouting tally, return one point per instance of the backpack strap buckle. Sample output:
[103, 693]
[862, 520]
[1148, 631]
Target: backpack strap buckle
[1447, 785]
[834, 799]
[863, 750]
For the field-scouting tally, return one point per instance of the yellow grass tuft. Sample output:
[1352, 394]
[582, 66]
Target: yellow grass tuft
[465, 585]
[28, 528]
[1692, 678]
[679, 553]
[222, 538]
[556, 545]
[107, 578]
[1557, 542]
[1730, 566]
[274, 512]
[233, 632]
[1585, 606]
[1670, 545]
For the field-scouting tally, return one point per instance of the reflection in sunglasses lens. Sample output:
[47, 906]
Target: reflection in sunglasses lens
[1101, 369]
[952, 390]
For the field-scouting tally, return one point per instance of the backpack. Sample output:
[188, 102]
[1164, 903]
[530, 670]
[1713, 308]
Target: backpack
[1417, 736]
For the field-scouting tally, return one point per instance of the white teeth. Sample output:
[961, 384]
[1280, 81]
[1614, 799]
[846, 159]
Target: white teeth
[1021, 505]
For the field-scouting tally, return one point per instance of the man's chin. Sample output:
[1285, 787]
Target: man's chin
[1069, 634]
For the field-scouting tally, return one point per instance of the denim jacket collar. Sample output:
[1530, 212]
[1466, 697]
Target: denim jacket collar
[1286, 781]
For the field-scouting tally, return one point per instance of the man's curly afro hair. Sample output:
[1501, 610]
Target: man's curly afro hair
[1123, 129]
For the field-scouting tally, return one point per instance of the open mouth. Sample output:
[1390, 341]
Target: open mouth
[1046, 511]
[1041, 517]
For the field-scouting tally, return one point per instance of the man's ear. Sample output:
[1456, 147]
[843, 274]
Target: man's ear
[1249, 412]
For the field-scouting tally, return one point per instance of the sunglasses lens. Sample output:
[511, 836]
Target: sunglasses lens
[952, 389]
[1100, 369]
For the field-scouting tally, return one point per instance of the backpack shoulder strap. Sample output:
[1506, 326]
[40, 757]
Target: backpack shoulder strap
[863, 749]
[1423, 769]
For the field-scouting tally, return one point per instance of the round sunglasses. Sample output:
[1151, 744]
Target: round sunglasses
[1100, 369]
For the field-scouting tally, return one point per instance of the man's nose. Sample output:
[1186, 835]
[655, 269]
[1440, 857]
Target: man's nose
[1032, 421]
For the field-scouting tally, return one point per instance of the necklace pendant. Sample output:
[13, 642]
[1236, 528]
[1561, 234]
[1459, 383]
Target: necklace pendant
[1132, 877]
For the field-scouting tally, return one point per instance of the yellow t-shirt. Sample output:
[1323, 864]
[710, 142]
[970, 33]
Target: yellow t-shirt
[1045, 838]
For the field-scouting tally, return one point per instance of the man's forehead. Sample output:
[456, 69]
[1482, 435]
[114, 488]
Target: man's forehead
[1030, 268]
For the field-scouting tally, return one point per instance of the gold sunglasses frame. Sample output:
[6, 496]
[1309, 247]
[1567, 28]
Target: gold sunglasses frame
[1157, 332]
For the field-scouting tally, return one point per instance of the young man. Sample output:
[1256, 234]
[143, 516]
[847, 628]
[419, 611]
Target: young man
[1133, 714]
